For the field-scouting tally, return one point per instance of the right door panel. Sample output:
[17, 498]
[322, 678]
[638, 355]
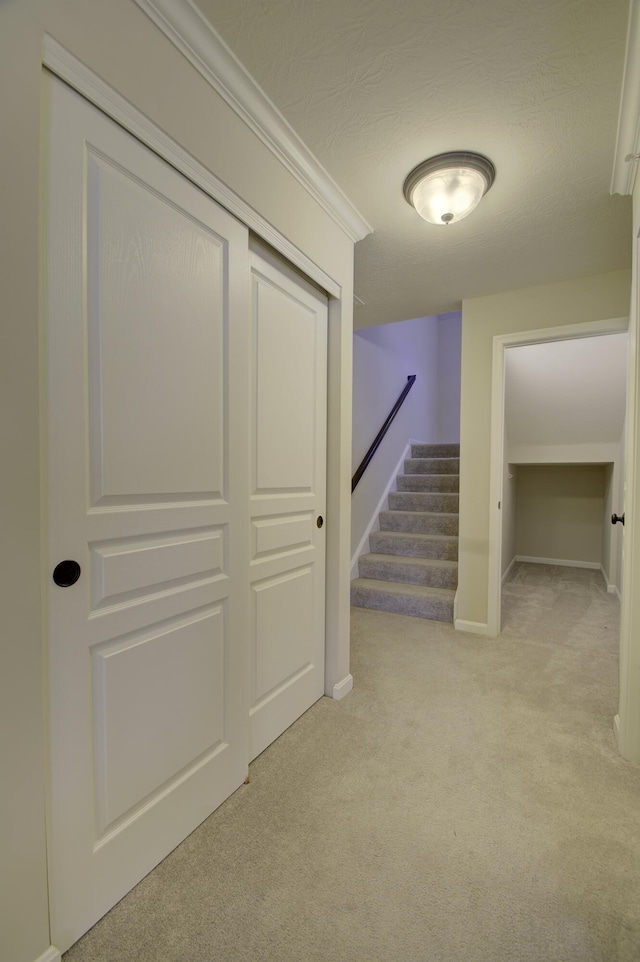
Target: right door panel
[287, 478]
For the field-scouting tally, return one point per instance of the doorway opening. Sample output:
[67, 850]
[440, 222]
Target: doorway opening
[558, 412]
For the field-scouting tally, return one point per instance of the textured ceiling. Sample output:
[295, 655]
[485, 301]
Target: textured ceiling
[374, 87]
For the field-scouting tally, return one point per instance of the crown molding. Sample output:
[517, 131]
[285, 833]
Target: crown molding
[205, 49]
[628, 137]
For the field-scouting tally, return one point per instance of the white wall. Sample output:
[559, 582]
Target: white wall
[553, 305]
[383, 358]
[509, 514]
[449, 357]
[566, 392]
[607, 554]
[122, 46]
[559, 512]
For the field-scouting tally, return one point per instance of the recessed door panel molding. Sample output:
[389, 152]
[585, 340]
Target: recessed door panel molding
[186, 661]
[124, 569]
[119, 521]
[282, 649]
[268, 505]
[271, 535]
[288, 481]
[284, 393]
[149, 688]
[153, 308]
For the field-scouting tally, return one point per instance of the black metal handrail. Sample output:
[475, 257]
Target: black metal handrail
[364, 464]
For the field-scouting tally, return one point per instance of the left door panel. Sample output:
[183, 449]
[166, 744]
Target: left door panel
[147, 307]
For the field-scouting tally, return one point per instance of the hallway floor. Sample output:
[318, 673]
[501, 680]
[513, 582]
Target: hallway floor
[465, 803]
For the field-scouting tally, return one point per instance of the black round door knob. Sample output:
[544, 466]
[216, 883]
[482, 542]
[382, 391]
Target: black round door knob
[615, 518]
[320, 521]
[66, 573]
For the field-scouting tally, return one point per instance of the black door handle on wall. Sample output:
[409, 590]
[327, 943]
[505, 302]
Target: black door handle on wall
[615, 519]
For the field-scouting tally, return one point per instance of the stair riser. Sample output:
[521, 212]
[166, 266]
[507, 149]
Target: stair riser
[445, 483]
[383, 542]
[418, 523]
[434, 609]
[435, 450]
[432, 466]
[408, 574]
[415, 501]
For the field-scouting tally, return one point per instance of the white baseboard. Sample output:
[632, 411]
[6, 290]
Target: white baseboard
[342, 688]
[363, 546]
[473, 627]
[51, 955]
[508, 571]
[559, 561]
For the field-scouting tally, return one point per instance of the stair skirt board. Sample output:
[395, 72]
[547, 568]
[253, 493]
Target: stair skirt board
[364, 541]
[411, 566]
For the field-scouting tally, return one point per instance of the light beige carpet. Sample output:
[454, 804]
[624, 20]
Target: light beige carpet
[465, 803]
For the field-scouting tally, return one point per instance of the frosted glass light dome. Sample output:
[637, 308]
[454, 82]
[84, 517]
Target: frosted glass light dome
[448, 187]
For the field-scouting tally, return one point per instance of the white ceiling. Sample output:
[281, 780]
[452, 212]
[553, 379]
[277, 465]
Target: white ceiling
[374, 87]
[566, 392]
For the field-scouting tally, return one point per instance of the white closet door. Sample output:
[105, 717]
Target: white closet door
[148, 294]
[287, 503]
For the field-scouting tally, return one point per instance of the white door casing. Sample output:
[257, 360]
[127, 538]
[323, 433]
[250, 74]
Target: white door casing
[287, 497]
[148, 657]
[501, 343]
[627, 720]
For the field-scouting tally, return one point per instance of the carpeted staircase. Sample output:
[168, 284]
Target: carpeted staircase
[413, 565]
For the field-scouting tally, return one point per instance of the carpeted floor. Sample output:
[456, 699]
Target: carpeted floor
[465, 803]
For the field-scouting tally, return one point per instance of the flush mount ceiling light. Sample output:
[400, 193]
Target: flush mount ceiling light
[446, 188]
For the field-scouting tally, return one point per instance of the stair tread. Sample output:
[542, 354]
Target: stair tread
[405, 495]
[400, 559]
[418, 535]
[434, 477]
[430, 466]
[424, 484]
[426, 514]
[402, 588]
[435, 450]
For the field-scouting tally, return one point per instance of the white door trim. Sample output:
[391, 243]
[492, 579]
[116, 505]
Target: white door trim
[500, 344]
[627, 722]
